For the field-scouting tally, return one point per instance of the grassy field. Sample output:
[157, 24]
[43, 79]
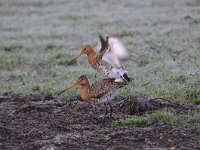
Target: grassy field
[38, 38]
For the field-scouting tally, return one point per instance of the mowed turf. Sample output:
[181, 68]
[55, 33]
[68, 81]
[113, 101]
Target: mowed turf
[38, 38]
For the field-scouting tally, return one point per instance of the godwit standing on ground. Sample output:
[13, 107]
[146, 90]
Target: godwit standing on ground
[100, 92]
[108, 59]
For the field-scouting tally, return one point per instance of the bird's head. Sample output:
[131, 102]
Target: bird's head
[82, 80]
[84, 50]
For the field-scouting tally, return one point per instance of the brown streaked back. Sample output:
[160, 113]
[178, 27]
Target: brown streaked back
[100, 88]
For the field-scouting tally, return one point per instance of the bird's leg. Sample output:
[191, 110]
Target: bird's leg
[106, 112]
[91, 106]
[110, 111]
[95, 107]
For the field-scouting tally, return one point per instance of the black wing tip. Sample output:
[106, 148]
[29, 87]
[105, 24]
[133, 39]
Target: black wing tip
[104, 43]
[101, 37]
[102, 40]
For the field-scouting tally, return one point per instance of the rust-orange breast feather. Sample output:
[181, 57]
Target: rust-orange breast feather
[94, 60]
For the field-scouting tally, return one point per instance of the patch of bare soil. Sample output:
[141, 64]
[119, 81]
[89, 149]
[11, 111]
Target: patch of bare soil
[35, 122]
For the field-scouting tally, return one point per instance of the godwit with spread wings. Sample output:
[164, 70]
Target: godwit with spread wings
[108, 60]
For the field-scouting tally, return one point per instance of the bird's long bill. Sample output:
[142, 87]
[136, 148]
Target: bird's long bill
[77, 56]
[69, 87]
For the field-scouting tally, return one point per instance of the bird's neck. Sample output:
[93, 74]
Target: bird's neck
[85, 93]
[91, 56]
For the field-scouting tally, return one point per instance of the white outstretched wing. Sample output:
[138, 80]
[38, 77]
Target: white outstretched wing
[116, 53]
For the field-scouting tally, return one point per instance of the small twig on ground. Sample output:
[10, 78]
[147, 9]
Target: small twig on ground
[29, 132]
[118, 103]
[164, 99]
[60, 126]
[6, 128]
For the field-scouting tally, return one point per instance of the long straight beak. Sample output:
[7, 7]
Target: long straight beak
[68, 88]
[75, 58]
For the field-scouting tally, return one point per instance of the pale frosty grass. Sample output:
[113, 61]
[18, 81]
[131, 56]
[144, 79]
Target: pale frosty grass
[39, 37]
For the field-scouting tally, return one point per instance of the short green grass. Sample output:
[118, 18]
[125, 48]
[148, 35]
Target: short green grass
[167, 117]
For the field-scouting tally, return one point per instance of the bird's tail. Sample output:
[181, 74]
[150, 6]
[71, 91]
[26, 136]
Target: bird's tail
[126, 78]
